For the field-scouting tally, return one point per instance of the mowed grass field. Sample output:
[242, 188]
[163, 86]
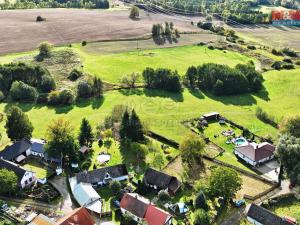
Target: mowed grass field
[111, 67]
[163, 111]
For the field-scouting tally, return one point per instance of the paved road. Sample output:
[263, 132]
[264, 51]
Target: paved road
[60, 183]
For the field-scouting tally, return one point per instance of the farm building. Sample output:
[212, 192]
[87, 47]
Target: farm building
[142, 210]
[213, 116]
[161, 181]
[261, 216]
[25, 177]
[255, 154]
[104, 175]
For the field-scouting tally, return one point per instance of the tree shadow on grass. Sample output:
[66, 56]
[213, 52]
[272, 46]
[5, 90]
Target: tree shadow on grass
[263, 94]
[63, 109]
[196, 93]
[175, 96]
[96, 103]
[128, 92]
[26, 107]
[238, 100]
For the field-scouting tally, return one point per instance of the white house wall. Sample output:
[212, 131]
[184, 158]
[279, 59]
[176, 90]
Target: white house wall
[26, 177]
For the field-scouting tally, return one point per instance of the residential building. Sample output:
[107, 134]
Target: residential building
[161, 181]
[17, 152]
[87, 197]
[255, 154]
[104, 175]
[261, 216]
[143, 211]
[78, 216]
[38, 149]
[42, 220]
[25, 177]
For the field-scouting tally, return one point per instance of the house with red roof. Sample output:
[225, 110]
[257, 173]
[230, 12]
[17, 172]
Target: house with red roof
[255, 154]
[143, 211]
[78, 216]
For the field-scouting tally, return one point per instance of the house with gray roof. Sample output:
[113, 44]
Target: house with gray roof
[260, 216]
[17, 152]
[104, 175]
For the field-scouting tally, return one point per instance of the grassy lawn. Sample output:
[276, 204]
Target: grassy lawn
[111, 67]
[122, 154]
[287, 207]
[40, 170]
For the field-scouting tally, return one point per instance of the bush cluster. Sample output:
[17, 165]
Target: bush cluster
[163, 79]
[27, 79]
[265, 117]
[223, 80]
[64, 97]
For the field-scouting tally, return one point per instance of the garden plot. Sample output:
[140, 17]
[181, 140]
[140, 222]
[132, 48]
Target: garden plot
[38, 168]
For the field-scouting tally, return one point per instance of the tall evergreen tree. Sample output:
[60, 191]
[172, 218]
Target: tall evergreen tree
[18, 125]
[136, 128]
[97, 87]
[124, 129]
[85, 136]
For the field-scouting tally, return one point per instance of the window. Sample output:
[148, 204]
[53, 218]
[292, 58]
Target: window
[30, 179]
[26, 182]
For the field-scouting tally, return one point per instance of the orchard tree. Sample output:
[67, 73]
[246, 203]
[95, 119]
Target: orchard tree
[192, 149]
[61, 141]
[134, 12]
[86, 133]
[18, 125]
[8, 181]
[158, 161]
[224, 182]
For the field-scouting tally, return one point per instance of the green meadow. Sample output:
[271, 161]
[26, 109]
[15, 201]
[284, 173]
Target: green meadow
[111, 67]
[163, 111]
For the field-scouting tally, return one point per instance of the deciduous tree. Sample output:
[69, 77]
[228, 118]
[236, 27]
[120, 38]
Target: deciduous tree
[8, 181]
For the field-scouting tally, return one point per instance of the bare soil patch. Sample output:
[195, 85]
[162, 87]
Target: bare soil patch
[20, 32]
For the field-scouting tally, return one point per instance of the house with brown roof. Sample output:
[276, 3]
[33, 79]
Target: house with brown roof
[78, 216]
[255, 154]
[143, 211]
[260, 216]
[161, 181]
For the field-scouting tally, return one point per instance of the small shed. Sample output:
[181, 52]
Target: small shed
[211, 116]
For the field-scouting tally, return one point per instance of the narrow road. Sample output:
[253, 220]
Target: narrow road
[60, 183]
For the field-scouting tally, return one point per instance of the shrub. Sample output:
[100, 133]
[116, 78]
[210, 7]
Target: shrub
[287, 60]
[276, 52]
[47, 84]
[201, 217]
[251, 47]
[42, 98]
[288, 66]
[265, 117]
[134, 12]
[66, 97]
[163, 195]
[205, 25]
[211, 47]
[290, 52]
[44, 50]
[276, 65]
[83, 43]
[84, 89]
[53, 98]
[40, 19]
[297, 63]
[23, 92]
[75, 74]
[115, 186]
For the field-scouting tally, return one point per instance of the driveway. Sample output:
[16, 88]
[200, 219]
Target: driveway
[60, 183]
[270, 170]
